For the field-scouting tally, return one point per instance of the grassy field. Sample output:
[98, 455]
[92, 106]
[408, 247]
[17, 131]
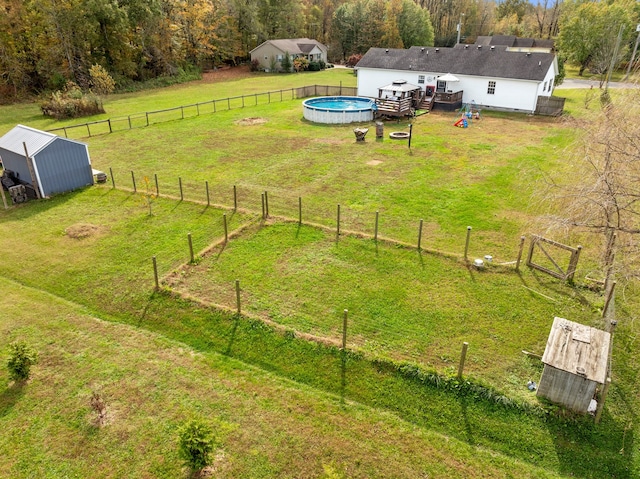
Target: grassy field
[94, 248]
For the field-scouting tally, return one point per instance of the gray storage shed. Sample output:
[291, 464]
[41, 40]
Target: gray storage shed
[575, 362]
[59, 164]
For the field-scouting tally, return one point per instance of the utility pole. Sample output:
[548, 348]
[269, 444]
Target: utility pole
[459, 28]
[633, 55]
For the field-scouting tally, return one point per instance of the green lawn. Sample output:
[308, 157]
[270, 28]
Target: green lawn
[402, 305]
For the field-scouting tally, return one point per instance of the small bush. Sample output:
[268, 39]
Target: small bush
[353, 60]
[286, 63]
[21, 358]
[322, 64]
[314, 67]
[300, 64]
[196, 444]
[255, 65]
[101, 82]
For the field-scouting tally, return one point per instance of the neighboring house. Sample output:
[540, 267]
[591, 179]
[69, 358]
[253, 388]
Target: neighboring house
[515, 44]
[271, 53]
[489, 77]
[57, 164]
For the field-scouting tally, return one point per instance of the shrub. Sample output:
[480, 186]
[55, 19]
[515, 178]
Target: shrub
[286, 64]
[71, 103]
[255, 65]
[322, 64]
[314, 67]
[101, 82]
[21, 358]
[300, 64]
[353, 60]
[196, 444]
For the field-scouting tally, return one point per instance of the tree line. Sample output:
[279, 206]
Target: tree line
[45, 43]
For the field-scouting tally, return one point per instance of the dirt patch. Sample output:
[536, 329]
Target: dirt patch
[83, 230]
[251, 121]
[374, 162]
[225, 74]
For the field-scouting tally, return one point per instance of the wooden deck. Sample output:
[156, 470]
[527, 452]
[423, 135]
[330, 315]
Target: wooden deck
[448, 101]
[394, 108]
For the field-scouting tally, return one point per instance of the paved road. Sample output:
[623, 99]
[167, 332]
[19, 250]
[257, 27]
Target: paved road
[579, 83]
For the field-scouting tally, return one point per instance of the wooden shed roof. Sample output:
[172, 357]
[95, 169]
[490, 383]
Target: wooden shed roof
[578, 349]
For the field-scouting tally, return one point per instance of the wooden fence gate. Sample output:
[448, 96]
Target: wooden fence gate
[543, 244]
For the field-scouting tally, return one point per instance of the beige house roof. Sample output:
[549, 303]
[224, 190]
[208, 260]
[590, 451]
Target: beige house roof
[293, 46]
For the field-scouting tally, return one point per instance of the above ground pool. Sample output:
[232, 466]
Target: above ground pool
[338, 109]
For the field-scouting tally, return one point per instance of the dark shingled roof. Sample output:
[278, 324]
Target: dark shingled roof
[513, 41]
[485, 61]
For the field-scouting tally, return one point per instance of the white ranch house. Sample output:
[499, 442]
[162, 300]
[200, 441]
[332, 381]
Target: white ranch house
[489, 77]
[271, 53]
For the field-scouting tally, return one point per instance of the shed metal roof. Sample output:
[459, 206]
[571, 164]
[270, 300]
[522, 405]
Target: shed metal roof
[578, 349]
[36, 140]
[492, 62]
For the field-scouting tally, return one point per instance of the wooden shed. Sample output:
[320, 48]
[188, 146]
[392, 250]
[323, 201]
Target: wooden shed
[575, 363]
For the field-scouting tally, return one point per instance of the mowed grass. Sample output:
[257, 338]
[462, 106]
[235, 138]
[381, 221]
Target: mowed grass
[110, 273]
[265, 426]
[456, 178]
[401, 304]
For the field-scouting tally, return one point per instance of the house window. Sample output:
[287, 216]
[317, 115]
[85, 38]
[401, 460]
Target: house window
[420, 79]
[279, 58]
[544, 87]
[492, 88]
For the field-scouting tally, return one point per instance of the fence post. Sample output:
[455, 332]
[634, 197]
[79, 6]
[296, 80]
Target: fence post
[206, 185]
[420, 235]
[129, 118]
[214, 106]
[266, 203]
[228, 103]
[375, 233]
[190, 248]
[522, 239]
[300, 210]
[242, 101]
[155, 273]
[603, 396]
[573, 264]
[338, 224]
[608, 300]
[235, 198]
[109, 122]
[180, 183]
[226, 231]
[65, 132]
[256, 99]
[463, 357]
[344, 330]
[182, 111]
[262, 198]
[4, 198]
[88, 130]
[466, 245]
[113, 182]
[147, 115]
[197, 109]
[238, 297]
[155, 177]
[269, 97]
[133, 179]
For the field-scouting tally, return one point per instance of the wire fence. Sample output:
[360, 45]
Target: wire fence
[239, 211]
[141, 120]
